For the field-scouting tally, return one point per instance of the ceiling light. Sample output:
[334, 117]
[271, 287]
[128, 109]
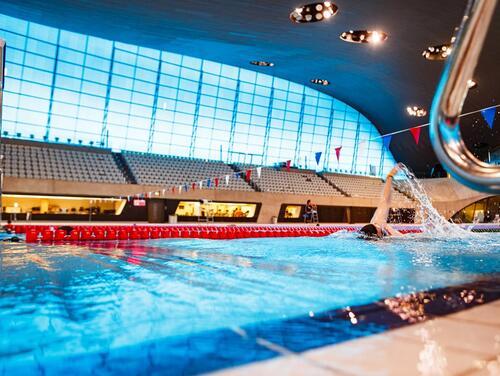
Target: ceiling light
[314, 12]
[438, 53]
[262, 63]
[471, 84]
[364, 36]
[416, 111]
[320, 81]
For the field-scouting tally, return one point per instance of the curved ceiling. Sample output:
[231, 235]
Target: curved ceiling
[380, 81]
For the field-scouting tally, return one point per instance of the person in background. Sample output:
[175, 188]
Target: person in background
[378, 227]
[309, 210]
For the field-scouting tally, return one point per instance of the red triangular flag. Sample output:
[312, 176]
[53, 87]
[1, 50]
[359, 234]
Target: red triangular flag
[216, 182]
[415, 132]
[288, 163]
[193, 185]
[337, 152]
[249, 173]
[173, 189]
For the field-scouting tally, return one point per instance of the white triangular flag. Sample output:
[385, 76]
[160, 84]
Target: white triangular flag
[259, 170]
[180, 188]
[227, 179]
[201, 184]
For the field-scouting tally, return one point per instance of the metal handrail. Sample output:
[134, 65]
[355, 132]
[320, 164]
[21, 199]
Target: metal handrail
[450, 96]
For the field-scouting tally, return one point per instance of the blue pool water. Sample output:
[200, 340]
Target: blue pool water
[76, 308]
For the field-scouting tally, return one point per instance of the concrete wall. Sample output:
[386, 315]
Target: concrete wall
[448, 196]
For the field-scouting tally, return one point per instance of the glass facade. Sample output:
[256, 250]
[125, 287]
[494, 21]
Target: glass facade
[72, 88]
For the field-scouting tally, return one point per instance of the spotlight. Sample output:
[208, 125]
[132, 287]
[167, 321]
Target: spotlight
[314, 12]
[416, 111]
[364, 36]
[471, 84]
[437, 53]
[262, 63]
[320, 81]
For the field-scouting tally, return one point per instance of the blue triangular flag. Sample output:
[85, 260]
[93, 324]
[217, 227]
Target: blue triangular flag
[318, 156]
[208, 183]
[186, 187]
[237, 175]
[387, 141]
[489, 116]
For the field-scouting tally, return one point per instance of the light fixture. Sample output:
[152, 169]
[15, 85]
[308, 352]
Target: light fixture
[471, 84]
[416, 111]
[320, 81]
[262, 63]
[364, 36]
[437, 53]
[314, 12]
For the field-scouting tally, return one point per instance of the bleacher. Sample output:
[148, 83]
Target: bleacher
[304, 182]
[363, 186]
[34, 160]
[171, 171]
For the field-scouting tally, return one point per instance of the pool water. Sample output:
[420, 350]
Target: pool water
[129, 306]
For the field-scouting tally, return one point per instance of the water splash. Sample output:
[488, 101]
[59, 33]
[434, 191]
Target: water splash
[425, 213]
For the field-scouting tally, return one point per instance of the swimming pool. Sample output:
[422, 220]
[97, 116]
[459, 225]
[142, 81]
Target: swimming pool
[188, 306]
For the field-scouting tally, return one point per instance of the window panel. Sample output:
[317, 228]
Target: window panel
[82, 100]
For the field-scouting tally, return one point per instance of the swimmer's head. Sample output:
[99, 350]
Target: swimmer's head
[371, 232]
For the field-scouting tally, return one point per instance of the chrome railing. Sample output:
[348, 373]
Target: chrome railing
[450, 96]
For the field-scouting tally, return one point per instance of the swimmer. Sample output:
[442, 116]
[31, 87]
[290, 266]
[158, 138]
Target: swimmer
[378, 227]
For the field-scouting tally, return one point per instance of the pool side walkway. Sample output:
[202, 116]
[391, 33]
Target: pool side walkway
[463, 343]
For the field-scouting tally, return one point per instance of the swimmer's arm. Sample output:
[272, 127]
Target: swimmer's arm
[380, 215]
[392, 231]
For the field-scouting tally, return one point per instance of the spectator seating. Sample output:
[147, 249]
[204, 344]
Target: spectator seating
[35, 160]
[171, 171]
[363, 186]
[304, 182]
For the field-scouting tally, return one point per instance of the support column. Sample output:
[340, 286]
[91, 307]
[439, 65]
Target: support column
[104, 130]
[301, 124]
[196, 115]
[268, 125]
[233, 120]
[356, 145]
[329, 136]
[155, 105]
[52, 88]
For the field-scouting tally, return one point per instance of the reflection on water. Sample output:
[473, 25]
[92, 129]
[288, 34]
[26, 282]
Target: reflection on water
[56, 300]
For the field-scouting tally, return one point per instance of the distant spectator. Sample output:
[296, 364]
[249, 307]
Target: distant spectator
[310, 209]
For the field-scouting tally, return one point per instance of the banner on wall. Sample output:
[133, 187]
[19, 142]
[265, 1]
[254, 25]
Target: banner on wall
[337, 153]
[415, 132]
[318, 157]
[387, 141]
[489, 116]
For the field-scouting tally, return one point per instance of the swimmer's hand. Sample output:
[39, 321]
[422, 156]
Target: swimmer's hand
[394, 171]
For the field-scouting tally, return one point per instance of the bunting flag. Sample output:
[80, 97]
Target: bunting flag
[208, 183]
[318, 157]
[259, 171]
[173, 189]
[415, 132]
[248, 175]
[201, 184]
[305, 161]
[216, 180]
[227, 179]
[163, 191]
[387, 141]
[288, 163]
[186, 187]
[489, 116]
[236, 175]
[180, 188]
[193, 186]
[337, 153]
